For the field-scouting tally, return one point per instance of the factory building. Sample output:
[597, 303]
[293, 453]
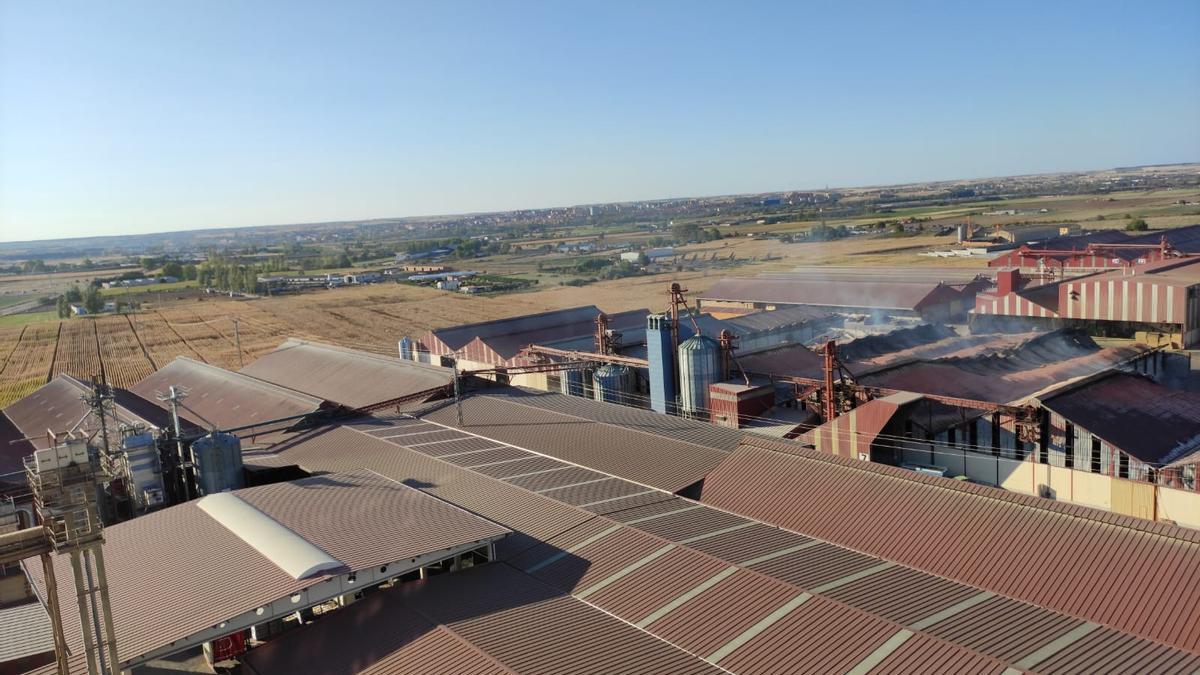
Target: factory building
[351, 378]
[1106, 249]
[874, 296]
[510, 530]
[1156, 301]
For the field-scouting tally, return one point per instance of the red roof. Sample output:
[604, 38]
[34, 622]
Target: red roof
[1090, 564]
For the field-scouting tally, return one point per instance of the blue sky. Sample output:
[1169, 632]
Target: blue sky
[121, 117]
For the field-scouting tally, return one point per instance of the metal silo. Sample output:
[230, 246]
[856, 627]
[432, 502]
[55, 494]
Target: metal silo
[662, 363]
[612, 383]
[699, 366]
[406, 348]
[571, 382]
[218, 463]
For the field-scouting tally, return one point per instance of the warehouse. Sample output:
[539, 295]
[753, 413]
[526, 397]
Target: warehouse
[926, 300]
[701, 578]
[1123, 425]
[248, 559]
[222, 399]
[352, 378]
[1156, 299]
[580, 536]
[1096, 251]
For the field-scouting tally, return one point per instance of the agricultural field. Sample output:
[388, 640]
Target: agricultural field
[372, 318]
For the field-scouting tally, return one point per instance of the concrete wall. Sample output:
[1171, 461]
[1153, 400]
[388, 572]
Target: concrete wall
[1128, 497]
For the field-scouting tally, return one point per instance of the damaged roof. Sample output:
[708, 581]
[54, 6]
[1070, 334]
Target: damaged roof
[1131, 412]
[895, 295]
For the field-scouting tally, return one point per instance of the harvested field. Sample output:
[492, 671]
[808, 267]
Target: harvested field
[371, 318]
[125, 362]
[77, 352]
[29, 365]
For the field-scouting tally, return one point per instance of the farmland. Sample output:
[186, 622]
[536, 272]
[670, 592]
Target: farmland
[373, 318]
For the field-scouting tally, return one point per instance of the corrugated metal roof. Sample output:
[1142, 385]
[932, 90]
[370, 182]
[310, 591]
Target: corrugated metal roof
[843, 292]
[648, 571]
[352, 378]
[174, 572]
[13, 451]
[1133, 413]
[24, 631]
[1023, 547]
[225, 398]
[1006, 376]
[488, 619]
[649, 455]
[58, 406]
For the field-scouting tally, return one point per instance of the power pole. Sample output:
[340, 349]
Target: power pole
[237, 336]
[457, 394]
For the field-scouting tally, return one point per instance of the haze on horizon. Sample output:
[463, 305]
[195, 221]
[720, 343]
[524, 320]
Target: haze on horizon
[137, 117]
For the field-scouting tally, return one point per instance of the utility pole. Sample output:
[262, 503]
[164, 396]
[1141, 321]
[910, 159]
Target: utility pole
[457, 394]
[237, 336]
[174, 397]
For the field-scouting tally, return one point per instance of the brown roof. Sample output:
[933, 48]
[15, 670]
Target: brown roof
[352, 378]
[177, 571]
[225, 398]
[721, 585]
[1006, 375]
[633, 444]
[13, 450]
[487, 619]
[1024, 547]
[846, 292]
[1134, 414]
[58, 406]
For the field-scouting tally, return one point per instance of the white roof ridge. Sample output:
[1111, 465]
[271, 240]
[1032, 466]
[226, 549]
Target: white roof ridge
[289, 551]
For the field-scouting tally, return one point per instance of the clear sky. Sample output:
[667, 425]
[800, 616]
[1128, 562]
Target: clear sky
[121, 117]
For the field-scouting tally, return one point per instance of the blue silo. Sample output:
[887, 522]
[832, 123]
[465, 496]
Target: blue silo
[571, 382]
[699, 367]
[662, 363]
[612, 383]
[218, 463]
[406, 348]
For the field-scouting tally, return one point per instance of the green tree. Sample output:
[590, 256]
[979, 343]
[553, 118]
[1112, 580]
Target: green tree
[189, 272]
[74, 294]
[1138, 225]
[173, 269]
[62, 307]
[93, 302]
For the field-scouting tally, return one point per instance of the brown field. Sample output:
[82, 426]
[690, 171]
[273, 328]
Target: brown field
[372, 318]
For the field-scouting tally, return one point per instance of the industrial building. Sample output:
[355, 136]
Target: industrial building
[1155, 301]
[878, 294]
[410, 529]
[1105, 249]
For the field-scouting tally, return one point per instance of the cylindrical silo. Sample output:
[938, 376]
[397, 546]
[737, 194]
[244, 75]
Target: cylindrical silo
[406, 348]
[571, 382]
[699, 366]
[612, 383]
[218, 463]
